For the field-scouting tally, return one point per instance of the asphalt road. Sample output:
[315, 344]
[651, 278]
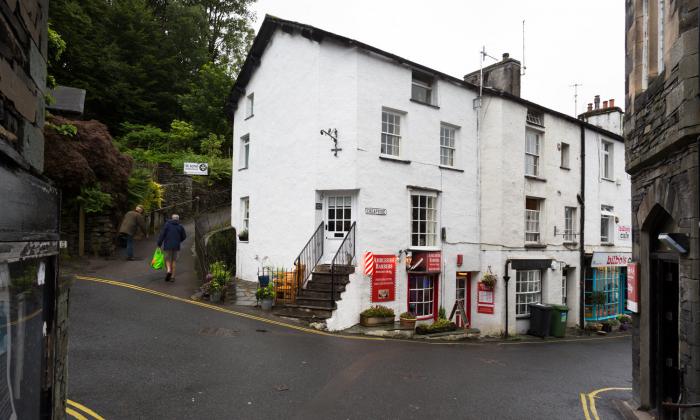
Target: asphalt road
[136, 355]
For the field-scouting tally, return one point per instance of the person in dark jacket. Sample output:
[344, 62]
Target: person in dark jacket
[133, 221]
[171, 236]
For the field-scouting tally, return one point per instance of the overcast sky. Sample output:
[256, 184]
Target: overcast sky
[566, 41]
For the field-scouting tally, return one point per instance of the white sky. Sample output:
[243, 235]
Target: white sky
[566, 41]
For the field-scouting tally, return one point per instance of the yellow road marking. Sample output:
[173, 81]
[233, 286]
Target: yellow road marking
[584, 404]
[75, 414]
[305, 329]
[84, 410]
[591, 401]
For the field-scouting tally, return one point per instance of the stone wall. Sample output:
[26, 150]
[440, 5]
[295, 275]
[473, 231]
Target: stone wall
[100, 233]
[661, 126]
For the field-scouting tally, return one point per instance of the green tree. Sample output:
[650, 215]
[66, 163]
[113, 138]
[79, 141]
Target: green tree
[204, 102]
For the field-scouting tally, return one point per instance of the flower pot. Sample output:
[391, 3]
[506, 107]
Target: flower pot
[266, 304]
[408, 323]
[264, 280]
[607, 327]
[215, 297]
[372, 321]
[624, 327]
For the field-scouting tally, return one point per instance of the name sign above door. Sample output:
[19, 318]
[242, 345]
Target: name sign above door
[375, 211]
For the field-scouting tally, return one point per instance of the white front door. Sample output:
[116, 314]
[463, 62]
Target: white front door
[337, 217]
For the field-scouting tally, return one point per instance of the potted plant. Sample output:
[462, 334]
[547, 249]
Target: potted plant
[408, 320]
[214, 292]
[441, 325]
[265, 295]
[243, 235]
[489, 280]
[376, 315]
[263, 279]
[593, 326]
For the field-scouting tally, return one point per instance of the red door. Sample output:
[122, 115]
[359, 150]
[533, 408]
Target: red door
[463, 295]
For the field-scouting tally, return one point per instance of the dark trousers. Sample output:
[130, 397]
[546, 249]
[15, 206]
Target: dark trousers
[130, 246]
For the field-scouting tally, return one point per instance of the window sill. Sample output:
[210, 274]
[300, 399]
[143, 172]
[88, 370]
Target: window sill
[248, 117]
[534, 245]
[423, 248]
[607, 244]
[607, 179]
[566, 168]
[535, 178]
[424, 318]
[519, 317]
[394, 159]
[571, 243]
[242, 169]
[424, 103]
[450, 168]
[242, 242]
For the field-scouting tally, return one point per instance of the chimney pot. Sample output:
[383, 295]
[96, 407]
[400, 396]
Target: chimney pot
[596, 101]
[506, 56]
[590, 107]
[612, 103]
[605, 104]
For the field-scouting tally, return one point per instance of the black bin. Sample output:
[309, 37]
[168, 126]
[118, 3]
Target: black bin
[540, 319]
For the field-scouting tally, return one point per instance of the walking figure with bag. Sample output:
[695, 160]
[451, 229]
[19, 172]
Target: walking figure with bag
[172, 234]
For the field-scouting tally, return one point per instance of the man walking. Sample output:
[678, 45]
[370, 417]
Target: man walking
[171, 236]
[132, 221]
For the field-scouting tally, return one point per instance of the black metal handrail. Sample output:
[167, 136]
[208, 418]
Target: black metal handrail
[344, 256]
[309, 256]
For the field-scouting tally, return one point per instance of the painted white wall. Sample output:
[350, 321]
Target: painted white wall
[611, 121]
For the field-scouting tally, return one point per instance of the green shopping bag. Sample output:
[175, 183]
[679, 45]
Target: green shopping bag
[158, 260]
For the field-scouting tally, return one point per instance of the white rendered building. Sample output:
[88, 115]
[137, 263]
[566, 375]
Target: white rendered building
[412, 178]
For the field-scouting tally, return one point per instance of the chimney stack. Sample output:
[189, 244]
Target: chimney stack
[596, 101]
[605, 104]
[612, 103]
[503, 75]
[506, 56]
[590, 107]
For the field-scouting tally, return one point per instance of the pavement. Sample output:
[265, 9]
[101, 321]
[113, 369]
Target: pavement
[140, 348]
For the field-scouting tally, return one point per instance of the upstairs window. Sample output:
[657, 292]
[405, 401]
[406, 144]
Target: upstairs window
[422, 88]
[391, 133]
[423, 220]
[245, 214]
[532, 153]
[564, 155]
[607, 224]
[245, 151]
[447, 145]
[569, 224]
[607, 160]
[250, 102]
[535, 117]
[532, 219]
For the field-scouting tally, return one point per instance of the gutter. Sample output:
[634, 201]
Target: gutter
[582, 222]
[506, 277]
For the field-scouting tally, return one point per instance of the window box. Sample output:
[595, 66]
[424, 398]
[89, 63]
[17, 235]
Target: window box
[373, 321]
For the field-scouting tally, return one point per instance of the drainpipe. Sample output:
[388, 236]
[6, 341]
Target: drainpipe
[582, 222]
[506, 277]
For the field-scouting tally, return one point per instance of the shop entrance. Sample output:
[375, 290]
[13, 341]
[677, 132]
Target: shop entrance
[664, 332]
[463, 296]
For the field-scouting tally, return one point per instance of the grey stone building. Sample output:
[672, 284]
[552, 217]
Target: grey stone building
[662, 128]
[33, 299]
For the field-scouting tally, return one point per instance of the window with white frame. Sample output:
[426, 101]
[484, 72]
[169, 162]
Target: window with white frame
[532, 152]
[569, 224]
[421, 294]
[533, 208]
[391, 133]
[535, 117]
[339, 215]
[563, 287]
[422, 87]
[245, 214]
[607, 160]
[564, 155]
[528, 289]
[423, 220]
[607, 224]
[245, 151]
[250, 102]
[447, 145]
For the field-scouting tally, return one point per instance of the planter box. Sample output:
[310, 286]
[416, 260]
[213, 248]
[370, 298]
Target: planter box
[372, 321]
[408, 323]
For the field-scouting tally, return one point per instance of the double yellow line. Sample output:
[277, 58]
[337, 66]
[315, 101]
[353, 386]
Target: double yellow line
[80, 412]
[588, 402]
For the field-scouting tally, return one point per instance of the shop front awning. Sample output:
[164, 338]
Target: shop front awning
[524, 264]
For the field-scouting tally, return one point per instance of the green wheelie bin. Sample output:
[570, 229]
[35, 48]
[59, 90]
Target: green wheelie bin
[559, 315]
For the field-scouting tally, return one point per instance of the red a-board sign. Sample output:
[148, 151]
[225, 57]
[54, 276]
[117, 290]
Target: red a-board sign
[485, 299]
[384, 278]
[633, 287]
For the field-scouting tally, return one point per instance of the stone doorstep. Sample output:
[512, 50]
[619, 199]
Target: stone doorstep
[625, 408]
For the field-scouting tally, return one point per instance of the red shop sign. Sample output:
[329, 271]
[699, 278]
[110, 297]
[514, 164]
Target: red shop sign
[384, 278]
[430, 262]
[633, 287]
[485, 299]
